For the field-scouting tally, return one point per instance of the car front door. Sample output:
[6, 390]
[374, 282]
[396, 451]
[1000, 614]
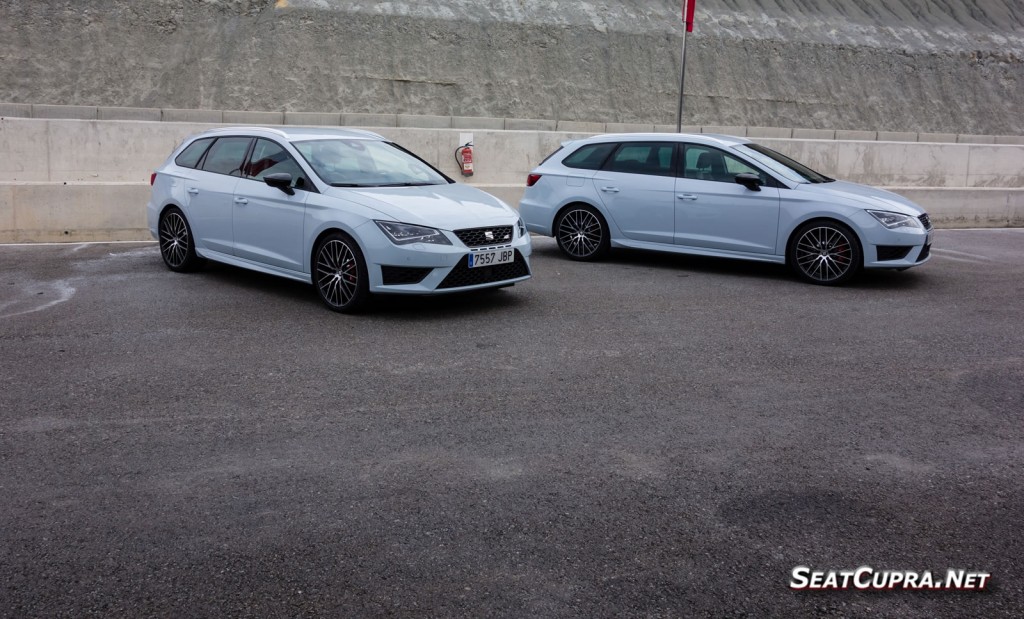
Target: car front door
[268, 222]
[713, 211]
[637, 188]
[211, 191]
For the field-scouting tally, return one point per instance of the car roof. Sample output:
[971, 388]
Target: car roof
[296, 133]
[717, 139]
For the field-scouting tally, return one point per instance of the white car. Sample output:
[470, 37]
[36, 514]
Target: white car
[346, 210]
[718, 195]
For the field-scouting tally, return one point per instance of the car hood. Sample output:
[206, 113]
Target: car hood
[448, 207]
[867, 196]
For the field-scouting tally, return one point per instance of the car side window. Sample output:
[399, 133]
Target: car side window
[653, 158]
[269, 157]
[226, 156]
[589, 157]
[189, 158]
[710, 164]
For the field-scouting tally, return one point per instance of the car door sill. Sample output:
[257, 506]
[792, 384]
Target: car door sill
[217, 256]
[698, 251]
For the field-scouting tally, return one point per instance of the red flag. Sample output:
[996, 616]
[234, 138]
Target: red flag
[688, 14]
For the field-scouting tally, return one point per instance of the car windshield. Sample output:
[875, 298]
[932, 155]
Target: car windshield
[355, 162]
[782, 164]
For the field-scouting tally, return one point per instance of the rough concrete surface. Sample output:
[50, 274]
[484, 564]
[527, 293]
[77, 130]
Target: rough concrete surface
[892, 65]
[652, 436]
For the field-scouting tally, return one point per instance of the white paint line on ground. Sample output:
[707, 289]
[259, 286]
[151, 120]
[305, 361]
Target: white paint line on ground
[955, 259]
[959, 253]
[945, 230]
[78, 246]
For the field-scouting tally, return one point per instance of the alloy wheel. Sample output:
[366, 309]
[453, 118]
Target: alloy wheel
[580, 233]
[337, 270]
[174, 240]
[824, 254]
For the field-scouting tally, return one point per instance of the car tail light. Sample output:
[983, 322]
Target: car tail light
[152, 178]
[532, 179]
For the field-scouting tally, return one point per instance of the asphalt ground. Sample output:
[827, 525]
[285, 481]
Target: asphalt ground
[652, 436]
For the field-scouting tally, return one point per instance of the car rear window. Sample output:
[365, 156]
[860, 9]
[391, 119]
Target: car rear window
[589, 157]
[226, 156]
[189, 158]
[654, 158]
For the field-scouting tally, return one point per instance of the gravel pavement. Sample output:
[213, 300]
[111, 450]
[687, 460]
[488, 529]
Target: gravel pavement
[652, 436]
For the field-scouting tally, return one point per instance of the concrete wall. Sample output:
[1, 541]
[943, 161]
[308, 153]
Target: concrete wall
[76, 180]
[92, 112]
[954, 66]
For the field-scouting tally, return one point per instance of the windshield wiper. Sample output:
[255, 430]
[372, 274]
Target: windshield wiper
[350, 185]
[405, 184]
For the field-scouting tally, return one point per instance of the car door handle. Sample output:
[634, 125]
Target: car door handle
[610, 189]
[193, 190]
[241, 201]
[686, 196]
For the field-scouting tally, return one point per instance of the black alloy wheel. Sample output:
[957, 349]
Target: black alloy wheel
[339, 273]
[826, 253]
[582, 233]
[176, 244]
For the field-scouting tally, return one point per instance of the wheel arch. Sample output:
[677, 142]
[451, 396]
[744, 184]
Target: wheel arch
[167, 207]
[568, 205]
[327, 231]
[823, 219]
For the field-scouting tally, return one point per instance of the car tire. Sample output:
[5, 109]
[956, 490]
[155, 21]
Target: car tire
[177, 245]
[582, 233]
[339, 273]
[825, 253]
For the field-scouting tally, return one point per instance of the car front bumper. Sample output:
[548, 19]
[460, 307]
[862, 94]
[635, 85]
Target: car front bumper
[900, 248]
[425, 268]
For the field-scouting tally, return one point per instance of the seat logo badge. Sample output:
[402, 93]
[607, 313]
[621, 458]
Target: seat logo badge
[488, 235]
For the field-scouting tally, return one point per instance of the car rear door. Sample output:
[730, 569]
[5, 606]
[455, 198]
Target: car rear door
[713, 211]
[212, 190]
[637, 188]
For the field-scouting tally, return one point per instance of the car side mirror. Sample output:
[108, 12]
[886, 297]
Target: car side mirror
[281, 180]
[750, 181]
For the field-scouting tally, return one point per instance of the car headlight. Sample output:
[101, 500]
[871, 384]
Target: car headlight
[404, 234]
[521, 226]
[896, 220]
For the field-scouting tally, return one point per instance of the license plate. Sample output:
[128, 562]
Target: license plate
[488, 258]
[928, 239]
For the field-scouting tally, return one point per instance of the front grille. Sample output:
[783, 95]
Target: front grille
[924, 252]
[477, 237]
[395, 276]
[462, 275]
[893, 252]
[926, 221]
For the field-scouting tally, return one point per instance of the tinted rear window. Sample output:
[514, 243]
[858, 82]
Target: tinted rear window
[189, 158]
[226, 156]
[589, 157]
[653, 158]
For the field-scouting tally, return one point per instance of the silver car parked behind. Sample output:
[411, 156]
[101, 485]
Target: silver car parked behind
[723, 196]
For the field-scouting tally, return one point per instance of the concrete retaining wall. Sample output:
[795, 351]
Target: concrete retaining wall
[895, 65]
[344, 119]
[77, 180]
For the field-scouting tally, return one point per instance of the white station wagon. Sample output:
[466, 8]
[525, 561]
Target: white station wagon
[346, 210]
[723, 196]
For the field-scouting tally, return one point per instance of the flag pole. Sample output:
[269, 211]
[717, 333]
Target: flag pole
[688, 8]
[682, 81]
